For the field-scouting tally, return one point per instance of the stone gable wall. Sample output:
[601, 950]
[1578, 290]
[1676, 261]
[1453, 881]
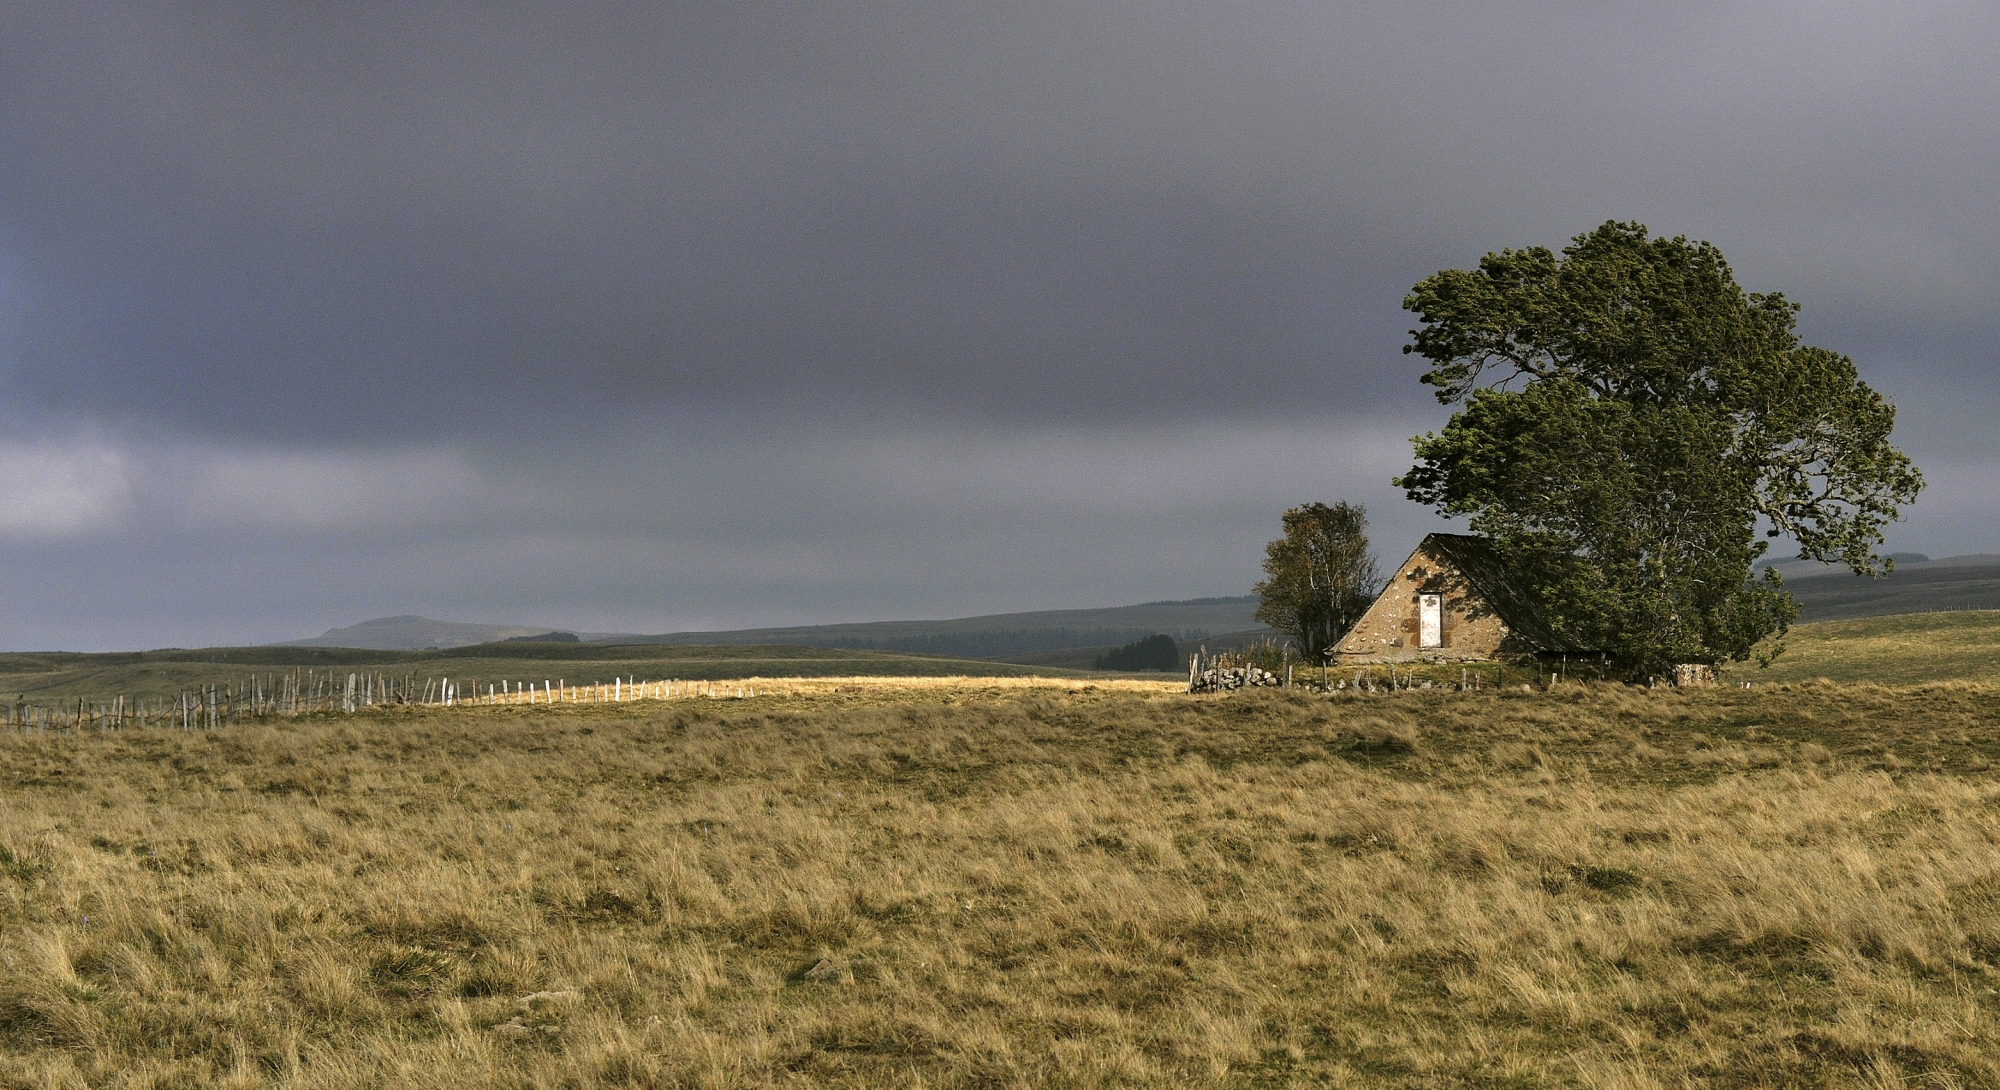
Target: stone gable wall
[1388, 632]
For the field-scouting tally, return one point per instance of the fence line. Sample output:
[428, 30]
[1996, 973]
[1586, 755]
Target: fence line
[304, 692]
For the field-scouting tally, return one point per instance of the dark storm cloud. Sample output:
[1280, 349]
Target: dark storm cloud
[392, 277]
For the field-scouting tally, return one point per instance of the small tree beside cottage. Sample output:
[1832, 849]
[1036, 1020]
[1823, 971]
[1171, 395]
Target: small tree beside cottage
[1319, 577]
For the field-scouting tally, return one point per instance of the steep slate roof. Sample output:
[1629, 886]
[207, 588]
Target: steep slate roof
[1476, 558]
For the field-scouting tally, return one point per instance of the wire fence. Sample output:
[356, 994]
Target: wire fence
[302, 692]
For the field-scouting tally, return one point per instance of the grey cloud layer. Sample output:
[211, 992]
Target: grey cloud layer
[639, 532]
[490, 239]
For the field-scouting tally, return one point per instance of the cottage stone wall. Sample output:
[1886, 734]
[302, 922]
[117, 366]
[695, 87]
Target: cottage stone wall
[1388, 632]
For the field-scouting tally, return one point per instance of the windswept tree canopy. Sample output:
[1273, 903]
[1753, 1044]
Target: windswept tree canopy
[1631, 420]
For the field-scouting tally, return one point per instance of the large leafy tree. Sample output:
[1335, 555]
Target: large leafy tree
[1632, 420]
[1320, 577]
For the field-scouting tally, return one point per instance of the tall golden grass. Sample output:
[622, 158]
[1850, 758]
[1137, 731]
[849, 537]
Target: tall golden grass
[1013, 885]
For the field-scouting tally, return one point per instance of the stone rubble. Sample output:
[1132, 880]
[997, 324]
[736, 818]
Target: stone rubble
[1229, 679]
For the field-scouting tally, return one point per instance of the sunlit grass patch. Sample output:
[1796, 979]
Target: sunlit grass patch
[1909, 648]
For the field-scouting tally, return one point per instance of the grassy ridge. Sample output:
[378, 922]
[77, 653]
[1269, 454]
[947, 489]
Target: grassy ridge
[1904, 649]
[970, 887]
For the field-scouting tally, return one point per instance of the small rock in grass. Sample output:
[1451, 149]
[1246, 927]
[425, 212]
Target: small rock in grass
[539, 1000]
[826, 970]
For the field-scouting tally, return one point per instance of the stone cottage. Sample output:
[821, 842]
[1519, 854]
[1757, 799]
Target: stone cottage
[1451, 601]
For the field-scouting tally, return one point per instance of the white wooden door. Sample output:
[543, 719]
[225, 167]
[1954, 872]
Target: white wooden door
[1430, 620]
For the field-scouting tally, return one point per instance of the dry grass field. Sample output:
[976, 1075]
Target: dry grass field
[1008, 885]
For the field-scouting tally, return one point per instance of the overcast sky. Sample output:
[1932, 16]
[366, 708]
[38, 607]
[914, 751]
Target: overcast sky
[643, 317]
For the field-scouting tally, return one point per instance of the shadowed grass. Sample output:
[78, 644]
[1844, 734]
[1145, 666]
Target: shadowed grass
[1002, 885]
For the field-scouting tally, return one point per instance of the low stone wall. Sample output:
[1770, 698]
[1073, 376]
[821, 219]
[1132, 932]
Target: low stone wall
[1231, 678]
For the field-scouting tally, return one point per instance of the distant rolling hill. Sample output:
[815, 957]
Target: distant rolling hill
[1073, 637]
[995, 636]
[1953, 583]
[413, 633]
[1002, 635]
